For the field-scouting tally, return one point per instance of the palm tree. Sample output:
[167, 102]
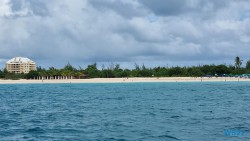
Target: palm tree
[238, 62]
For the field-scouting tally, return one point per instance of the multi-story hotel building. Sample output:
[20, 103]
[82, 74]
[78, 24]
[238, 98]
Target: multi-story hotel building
[20, 65]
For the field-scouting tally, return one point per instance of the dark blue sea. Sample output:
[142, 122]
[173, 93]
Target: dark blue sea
[215, 111]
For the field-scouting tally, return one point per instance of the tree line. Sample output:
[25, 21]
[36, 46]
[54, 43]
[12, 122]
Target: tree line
[115, 71]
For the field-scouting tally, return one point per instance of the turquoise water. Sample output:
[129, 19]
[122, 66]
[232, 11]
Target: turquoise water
[125, 112]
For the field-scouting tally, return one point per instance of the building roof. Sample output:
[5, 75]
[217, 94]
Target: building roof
[20, 60]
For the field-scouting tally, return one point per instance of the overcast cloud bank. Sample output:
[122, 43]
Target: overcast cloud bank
[156, 32]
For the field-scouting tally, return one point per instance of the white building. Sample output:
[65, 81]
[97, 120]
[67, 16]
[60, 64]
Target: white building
[20, 65]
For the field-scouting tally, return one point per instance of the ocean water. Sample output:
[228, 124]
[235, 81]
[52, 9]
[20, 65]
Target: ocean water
[215, 111]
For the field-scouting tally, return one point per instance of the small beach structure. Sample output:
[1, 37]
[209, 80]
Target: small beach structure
[20, 65]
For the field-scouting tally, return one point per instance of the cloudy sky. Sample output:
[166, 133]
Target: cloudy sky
[153, 32]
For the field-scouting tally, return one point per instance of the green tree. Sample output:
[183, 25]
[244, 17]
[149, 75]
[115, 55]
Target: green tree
[78, 75]
[145, 72]
[32, 75]
[69, 67]
[53, 72]
[222, 69]
[125, 73]
[208, 69]
[1, 74]
[160, 72]
[194, 71]
[135, 72]
[92, 71]
[175, 71]
[248, 65]
[117, 71]
[69, 71]
[237, 62]
[42, 72]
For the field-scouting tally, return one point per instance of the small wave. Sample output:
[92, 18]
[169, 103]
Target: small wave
[217, 118]
[35, 121]
[115, 139]
[241, 128]
[25, 111]
[174, 116]
[35, 130]
[4, 125]
[207, 111]
[15, 114]
[168, 136]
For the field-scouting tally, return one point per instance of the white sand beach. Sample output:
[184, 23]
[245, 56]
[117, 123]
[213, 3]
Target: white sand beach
[128, 80]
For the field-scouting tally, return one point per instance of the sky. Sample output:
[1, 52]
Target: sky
[153, 32]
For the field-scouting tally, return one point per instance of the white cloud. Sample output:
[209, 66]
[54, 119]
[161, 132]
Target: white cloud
[5, 9]
[125, 31]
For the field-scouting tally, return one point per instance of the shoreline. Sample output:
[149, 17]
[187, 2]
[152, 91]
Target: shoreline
[128, 80]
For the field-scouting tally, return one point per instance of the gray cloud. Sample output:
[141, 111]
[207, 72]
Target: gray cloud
[127, 9]
[28, 8]
[82, 31]
[166, 7]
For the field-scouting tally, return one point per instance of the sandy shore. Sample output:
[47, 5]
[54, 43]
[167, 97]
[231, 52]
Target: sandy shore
[128, 80]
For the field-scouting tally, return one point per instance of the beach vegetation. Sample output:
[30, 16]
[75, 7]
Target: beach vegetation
[32, 74]
[92, 71]
[115, 71]
[238, 62]
[1, 74]
[248, 65]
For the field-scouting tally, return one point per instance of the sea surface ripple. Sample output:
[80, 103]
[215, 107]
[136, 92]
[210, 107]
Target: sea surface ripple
[125, 112]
